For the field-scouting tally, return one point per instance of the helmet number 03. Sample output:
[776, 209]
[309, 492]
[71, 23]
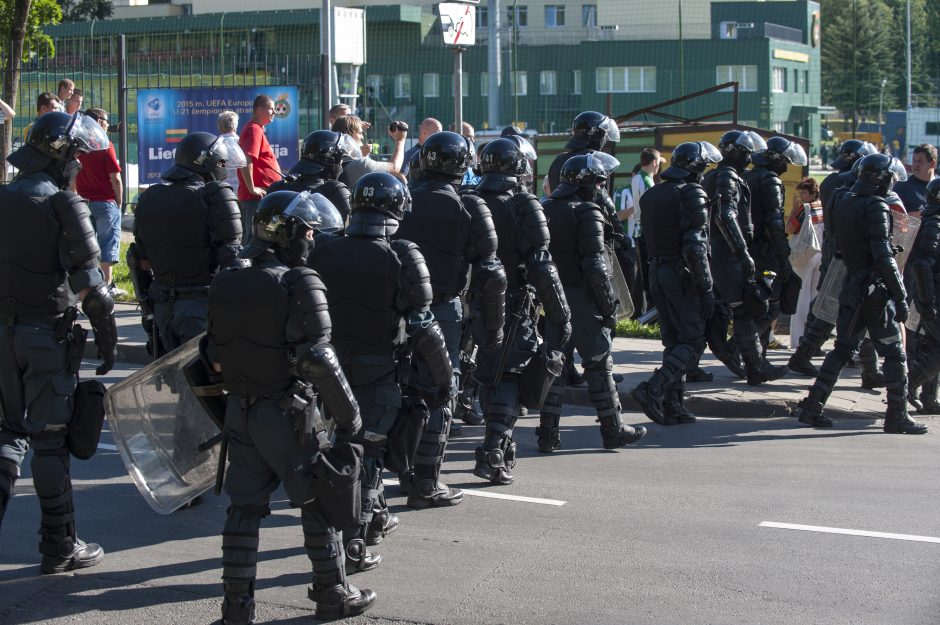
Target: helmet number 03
[368, 191]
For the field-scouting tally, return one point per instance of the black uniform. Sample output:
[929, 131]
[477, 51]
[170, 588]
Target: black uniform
[186, 229]
[48, 252]
[872, 298]
[269, 330]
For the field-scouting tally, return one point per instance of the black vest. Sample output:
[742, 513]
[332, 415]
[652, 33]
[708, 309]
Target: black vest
[248, 313]
[660, 214]
[32, 279]
[563, 229]
[172, 221]
[851, 216]
[505, 221]
[440, 225]
[362, 277]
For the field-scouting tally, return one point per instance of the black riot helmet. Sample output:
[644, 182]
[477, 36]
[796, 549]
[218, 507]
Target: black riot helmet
[208, 155]
[586, 174]
[933, 192]
[54, 143]
[447, 154]
[737, 146]
[877, 173]
[381, 193]
[327, 147]
[592, 130]
[691, 159]
[415, 175]
[508, 157]
[850, 152]
[283, 220]
[779, 154]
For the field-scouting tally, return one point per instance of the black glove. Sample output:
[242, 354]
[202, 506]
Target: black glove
[609, 322]
[343, 436]
[706, 306]
[563, 335]
[901, 311]
[927, 312]
[747, 266]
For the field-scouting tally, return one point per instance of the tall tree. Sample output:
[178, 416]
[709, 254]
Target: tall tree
[920, 46]
[857, 55]
[21, 23]
[85, 10]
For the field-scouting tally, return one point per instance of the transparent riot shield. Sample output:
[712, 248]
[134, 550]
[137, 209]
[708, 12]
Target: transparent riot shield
[827, 299]
[902, 236]
[165, 436]
[621, 289]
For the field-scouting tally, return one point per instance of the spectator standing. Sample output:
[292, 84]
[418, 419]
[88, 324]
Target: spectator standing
[100, 183]
[362, 165]
[913, 191]
[45, 103]
[342, 110]
[262, 169]
[6, 112]
[627, 255]
[427, 128]
[65, 88]
[74, 103]
[807, 204]
[643, 178]
[228, 132]
[471, 178]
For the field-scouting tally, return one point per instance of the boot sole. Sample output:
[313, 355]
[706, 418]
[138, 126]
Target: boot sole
[639, 399]
[71, 565]
[489, 478]
[423, 503]
[336, 614]
[814, 424]
[903, 431]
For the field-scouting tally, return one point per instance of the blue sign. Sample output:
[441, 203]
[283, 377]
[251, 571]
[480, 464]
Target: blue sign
[165, 116]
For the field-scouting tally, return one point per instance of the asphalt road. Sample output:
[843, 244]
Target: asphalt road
[666, 532]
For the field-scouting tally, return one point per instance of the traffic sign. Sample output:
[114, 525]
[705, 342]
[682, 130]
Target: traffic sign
[458, 23]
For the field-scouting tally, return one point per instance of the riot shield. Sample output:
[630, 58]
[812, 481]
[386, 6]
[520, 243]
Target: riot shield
[902, 236]
[161, 430]
[827, 299]
[621, 290]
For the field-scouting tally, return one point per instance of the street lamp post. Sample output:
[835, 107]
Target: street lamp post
[881, 104]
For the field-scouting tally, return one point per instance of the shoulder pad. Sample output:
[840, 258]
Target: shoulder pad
[588, 211]
[474, 204]
[66, 201]
[302, 276]
[406, 250]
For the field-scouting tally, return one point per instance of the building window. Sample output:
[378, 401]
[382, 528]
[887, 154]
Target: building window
[432, 85]
[805, 81]
[484, 84]
[547, 82]
[521, 17]
[576, 82]
[780, 127]
[554, 15]
[779, 78]
[796, 81]
[744, 75]
[589, 15]
[626, 79]
[374, 83]
[518, 83]
[483, 17]
[932, 128]
[403, 86]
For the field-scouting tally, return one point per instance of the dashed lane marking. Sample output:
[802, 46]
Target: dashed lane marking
[849, 532]
[479, 493]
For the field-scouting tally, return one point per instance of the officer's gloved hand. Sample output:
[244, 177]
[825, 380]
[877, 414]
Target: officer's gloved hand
[562, 334]
[494, 340]
[901, 311]
[927, 312]
[747, 266]
[706, 306]
[609, 322]
[342, 436]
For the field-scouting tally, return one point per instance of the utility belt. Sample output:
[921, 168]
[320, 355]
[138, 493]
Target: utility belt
[173, 293]
[300, 403]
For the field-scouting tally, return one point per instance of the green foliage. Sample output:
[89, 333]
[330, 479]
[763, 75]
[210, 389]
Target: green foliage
[628, 328]
[122, 276]
[41, 13]
[85, 10]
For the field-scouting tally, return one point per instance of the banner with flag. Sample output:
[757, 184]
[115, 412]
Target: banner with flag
[165, 116]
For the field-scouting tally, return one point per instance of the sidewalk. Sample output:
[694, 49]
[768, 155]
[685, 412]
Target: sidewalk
[635, 359]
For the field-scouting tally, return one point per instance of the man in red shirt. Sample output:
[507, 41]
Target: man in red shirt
[99, 182]
[262, 170]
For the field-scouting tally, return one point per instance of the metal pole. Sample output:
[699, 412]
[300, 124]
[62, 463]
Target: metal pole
[326, 65]
[494, 64]
[910, 104]
[122, 114]
[458, 90]
[881, 104]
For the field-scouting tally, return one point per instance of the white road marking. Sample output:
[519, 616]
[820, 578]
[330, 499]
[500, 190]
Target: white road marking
[839, 530]
[107, 447]
[478, 493]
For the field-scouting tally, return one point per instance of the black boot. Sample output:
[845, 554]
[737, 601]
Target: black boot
[358, 558]
[809, 412]
[429, 492]
[68, 554]
[674, 410]
[341, 601]
[800, 362]
[495, 459]
[650, 399]
[238, 606]
[382, 524]
[549, 439]
[699, 375]
[758, 370]
[466, 412]
[872, 381]
[572, 376]
[406, 482]
[615, 434]
[897, 421]
[928, 398]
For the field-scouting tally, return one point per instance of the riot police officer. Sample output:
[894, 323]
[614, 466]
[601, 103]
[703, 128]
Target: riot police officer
[458, 241]
[591, 131]
[269, 338]
[818, 330]
[925, 271]
[675, 226]
[770, 249]
[730, 231]
[50, 253]
[185, 229]
[576, 226]
[873, 297]
[319, 167]
[522, 232]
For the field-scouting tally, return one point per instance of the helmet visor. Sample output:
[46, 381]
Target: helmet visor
[751, 141]
[349, 146]
[525, 148]
[897, 170]
[316, 211]
[795, 154]
[604, 161]
[229, 152]
[865, 149]
[710, 153]
[88, 134]
[610, 127]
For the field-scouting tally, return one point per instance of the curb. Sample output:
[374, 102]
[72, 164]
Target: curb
[709, 406]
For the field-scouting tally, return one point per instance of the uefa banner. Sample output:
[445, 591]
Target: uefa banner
[165, 116]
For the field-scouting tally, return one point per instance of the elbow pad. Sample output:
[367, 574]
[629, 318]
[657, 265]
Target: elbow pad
[99, 308]
[428, 343]
[483, 241]
[320, 366]
[490, 287]
[597, 280]
[415, 279]
[309, 316]
[888, 271]
[532, 227]
[695, 255]
[543, 276]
